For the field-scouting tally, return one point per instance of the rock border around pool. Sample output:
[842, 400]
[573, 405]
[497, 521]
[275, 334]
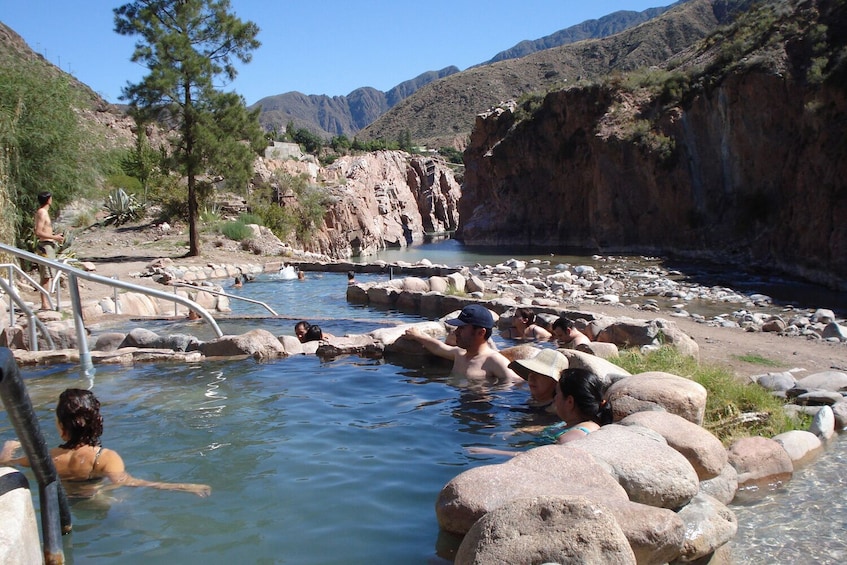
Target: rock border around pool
[665, 481]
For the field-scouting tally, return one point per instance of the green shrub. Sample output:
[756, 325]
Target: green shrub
[210, 215]
[452, 154]
[130, 184]
[734, 409]
[172, 196]
[236, 231]
[275, 218]
[247, 218]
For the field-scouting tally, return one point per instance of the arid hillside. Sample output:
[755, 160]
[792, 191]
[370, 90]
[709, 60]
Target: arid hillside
[329, 116]
[442, 113]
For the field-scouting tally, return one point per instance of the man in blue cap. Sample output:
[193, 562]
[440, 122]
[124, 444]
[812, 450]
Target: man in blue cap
[472, 356]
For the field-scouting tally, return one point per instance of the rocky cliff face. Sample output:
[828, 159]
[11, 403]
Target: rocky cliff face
[379, 200]
[750, 171]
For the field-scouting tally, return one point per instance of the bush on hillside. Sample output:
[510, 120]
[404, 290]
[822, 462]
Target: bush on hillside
[236, 231]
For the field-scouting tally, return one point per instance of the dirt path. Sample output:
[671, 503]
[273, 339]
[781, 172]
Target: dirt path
[125, 251]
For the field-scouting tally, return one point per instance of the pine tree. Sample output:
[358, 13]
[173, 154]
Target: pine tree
[187, 45]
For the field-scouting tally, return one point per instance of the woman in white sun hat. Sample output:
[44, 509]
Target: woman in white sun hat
[541, 372]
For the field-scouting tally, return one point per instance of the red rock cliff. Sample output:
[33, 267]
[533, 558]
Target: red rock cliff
[386, 199]
[751, 170]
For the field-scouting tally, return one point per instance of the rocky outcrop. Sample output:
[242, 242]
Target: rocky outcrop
[387, 200]
[380, 200]
[715, 177]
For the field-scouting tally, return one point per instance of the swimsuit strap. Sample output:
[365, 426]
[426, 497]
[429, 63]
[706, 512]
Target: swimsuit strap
[96, 457]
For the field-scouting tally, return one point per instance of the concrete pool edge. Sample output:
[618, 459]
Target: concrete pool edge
[19, 539]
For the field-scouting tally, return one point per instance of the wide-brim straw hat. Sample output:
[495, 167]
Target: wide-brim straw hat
[547, 362]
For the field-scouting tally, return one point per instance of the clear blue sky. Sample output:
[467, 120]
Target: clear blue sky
[323, 47]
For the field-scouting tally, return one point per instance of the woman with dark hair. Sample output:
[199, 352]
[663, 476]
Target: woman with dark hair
[525, 327]
[581, 406]
[81, 458]
[314, 333]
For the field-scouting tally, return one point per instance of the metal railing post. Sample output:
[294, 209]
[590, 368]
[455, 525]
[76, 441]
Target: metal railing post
[115, 296]
[11, 302]
[33, 319]
[86, 366]
[55, 512]
[79, 274]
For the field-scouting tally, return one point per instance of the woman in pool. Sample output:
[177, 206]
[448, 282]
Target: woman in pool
[525, 327]
[581, 406]
[541, 372]
[81, 458]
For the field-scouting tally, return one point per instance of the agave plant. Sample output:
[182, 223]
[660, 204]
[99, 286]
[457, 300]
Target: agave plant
[122, 208]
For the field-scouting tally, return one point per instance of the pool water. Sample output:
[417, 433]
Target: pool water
[338, 461]
[309, 461]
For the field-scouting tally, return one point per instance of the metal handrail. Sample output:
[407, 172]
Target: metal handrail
[55, 512]
[86, 365]
[220, 293]
[33, 319]
[22, 273]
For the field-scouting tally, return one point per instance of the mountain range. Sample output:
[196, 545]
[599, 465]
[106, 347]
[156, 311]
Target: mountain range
[329, 116]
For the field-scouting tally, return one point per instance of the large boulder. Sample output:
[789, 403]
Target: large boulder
[650, 471]
[823, 423]
[656, 390]
[258, 343]
[724, 486]
[834, 381]
[709, 524]
[394, 340]
[801, 446]
[541, 471]
[760, 462]
[606, 370]
[361, 345]
[703, 450]
[546, 529]
[654, 534]
[629, 332]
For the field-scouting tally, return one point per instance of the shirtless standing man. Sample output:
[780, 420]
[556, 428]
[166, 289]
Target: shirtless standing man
[472, 356]
[47, 241]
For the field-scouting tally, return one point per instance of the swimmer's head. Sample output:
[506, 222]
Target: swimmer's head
[78, 414]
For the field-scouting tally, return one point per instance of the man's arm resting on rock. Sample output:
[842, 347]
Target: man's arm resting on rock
[434, 346]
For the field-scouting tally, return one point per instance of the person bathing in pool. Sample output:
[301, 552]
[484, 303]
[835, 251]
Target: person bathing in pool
[579, 403]
[472, 356]
[81, 458]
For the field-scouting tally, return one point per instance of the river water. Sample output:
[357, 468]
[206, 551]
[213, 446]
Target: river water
[327, 462]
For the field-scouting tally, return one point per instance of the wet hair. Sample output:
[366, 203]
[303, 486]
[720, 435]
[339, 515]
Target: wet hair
[587, 390]
[563, 324]
[78, 411]
[43, 197]
[314, 333]
[351, 275]
[526, 314]
[302, 325]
